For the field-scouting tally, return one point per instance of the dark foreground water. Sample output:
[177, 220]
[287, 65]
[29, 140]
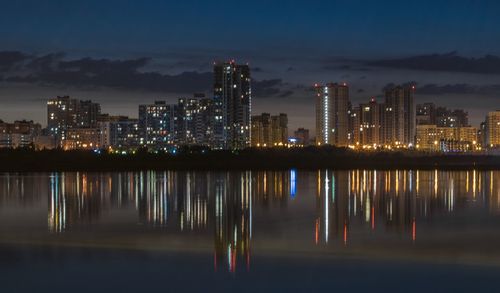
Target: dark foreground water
[347, 231]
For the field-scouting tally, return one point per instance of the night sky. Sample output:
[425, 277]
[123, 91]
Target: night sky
[122, 53]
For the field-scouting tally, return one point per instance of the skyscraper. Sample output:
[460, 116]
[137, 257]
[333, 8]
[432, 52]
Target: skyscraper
[232, 104]
[332, 121]
[400, 115]
[370, 117]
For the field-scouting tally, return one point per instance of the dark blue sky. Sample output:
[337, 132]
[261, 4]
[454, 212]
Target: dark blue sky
[292, 43]
[336, 27]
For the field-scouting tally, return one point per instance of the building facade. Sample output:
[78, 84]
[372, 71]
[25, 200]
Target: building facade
[19, 134]
[399, 121]
[332, 118]
[158, 125]
[232, 106]
[447, 139]
[492, 129]
[269, 131]
[64, 113]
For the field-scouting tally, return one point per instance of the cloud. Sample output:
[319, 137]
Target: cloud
[55, 70]
[461, 88]
[450, 62]
[266, 87]
[10, 59]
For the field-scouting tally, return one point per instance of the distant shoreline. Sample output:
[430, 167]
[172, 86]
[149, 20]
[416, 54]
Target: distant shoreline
[251, 159]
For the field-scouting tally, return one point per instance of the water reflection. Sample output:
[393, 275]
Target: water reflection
[342, 206]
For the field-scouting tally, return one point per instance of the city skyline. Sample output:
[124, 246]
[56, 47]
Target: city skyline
[452, 62]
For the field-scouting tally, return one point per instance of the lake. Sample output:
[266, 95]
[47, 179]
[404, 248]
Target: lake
[295, 230]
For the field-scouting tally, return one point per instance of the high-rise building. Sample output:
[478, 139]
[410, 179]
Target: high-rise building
[119, 132]
[269, 131]
[157, 124]
[88, 114]
[426, 114]
[399, 122]
[203, 131]
[451, 118]
[64, 113]
[493, 129]
[232, 106]
[332, 121]
[186, 121]
[194, 121]
[370, 123]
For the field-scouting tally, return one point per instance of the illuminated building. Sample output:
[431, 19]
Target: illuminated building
[399, 120]
[493, 129]
[332, 105]
[18, 134]
[232, 106]
[426, 114]
[64, 113]
[157, 124]
[203, 117]
[119, 132]
[370, 123]
[82, 139]
[451, 118]
[194, 122]
[446, 139]
[354, 125]
[269, 131]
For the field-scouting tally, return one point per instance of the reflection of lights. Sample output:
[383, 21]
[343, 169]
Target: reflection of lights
[57, 214]
[293, 187]
[326, 207]
[414, 230]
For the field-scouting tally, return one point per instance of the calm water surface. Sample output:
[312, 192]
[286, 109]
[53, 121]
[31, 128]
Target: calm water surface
[353, 231]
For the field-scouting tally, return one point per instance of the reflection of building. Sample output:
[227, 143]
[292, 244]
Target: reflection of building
[233, 219]
[269, 131]
[332, 114]
[73, 200]
[232, 106]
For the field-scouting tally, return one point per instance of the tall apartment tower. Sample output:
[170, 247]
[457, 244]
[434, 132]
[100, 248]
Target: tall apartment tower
[332, 117]
[158, 124]
[493, 129]
[232, 106]
[65, 113]
[371, 120]
[400, 115]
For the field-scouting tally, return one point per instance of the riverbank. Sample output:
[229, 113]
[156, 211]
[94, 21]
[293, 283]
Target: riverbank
[198, 159]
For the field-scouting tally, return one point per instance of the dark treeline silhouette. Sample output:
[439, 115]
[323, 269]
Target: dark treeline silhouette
[199, 158]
